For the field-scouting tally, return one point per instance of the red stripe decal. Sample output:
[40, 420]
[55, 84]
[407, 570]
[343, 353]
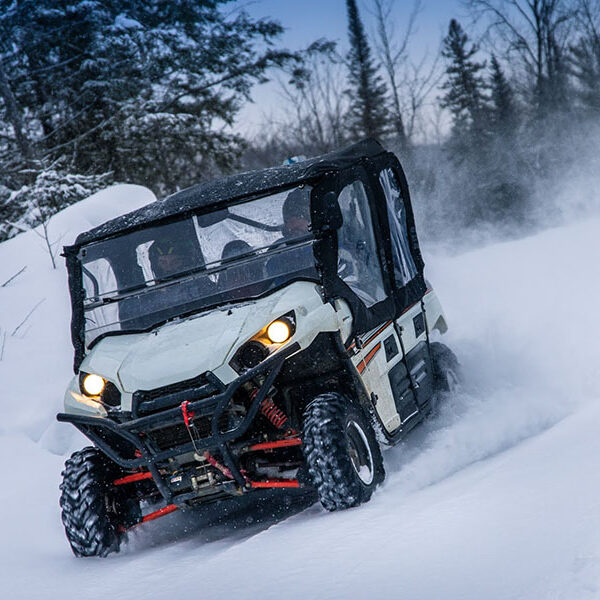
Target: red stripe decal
[381, 329]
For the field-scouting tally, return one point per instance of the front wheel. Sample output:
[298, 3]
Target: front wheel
[94, 512]
[342, 454]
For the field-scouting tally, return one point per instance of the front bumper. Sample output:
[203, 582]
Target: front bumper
[129, 444]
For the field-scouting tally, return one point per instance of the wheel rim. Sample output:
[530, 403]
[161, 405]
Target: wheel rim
[360, 452]
[451, 381]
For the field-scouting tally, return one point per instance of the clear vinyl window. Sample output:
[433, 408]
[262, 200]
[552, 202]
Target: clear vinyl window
[144, 277]
[358, 261]
[404, 265]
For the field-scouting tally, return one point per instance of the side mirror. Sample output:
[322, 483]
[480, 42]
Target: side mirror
[333, 218]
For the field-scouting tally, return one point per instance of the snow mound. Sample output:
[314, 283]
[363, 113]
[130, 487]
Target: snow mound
[35, 347]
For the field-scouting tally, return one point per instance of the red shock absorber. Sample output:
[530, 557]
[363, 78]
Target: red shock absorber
[272, 412]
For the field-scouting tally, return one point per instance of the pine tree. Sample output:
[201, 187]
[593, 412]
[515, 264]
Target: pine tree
[368, 111]
[465, 85]
[129, 90]
[585, 66]
[504, 115]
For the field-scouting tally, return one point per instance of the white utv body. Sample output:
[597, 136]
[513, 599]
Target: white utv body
[267, 330]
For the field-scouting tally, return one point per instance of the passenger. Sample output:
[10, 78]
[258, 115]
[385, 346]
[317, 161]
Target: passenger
[296, 224]
[242, 280]
[296, 214]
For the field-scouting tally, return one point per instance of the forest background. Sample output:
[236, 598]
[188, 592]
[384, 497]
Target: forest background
[494, 124]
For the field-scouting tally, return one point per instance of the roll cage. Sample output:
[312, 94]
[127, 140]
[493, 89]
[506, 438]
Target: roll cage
[351, 202]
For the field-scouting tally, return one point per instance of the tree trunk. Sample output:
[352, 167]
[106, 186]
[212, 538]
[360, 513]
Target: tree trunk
[15, 118]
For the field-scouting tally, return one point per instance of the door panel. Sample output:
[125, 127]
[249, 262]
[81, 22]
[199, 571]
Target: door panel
[404, 396]
[419, 364]
[373, 361]
[413, 326]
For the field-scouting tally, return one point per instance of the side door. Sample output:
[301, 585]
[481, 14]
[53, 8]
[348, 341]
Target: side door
[359, 267]
[381, 365]
[413, 386]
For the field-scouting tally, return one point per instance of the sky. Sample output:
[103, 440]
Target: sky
[307, 20]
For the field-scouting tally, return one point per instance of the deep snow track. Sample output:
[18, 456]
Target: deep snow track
[497, 497]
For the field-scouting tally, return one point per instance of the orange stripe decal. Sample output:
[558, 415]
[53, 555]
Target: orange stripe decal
[368, 358]
[379, 331]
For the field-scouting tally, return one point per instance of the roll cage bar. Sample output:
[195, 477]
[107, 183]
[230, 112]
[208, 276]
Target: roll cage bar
[327, 175]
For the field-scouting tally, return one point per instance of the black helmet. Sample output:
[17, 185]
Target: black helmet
[296, 205]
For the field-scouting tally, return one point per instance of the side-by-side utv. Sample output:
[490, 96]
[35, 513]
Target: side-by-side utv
[267, 330]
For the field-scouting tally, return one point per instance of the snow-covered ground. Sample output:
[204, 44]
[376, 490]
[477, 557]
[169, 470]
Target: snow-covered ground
[498, 497]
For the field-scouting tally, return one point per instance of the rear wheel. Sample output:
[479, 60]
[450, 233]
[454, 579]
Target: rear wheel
[447, 375]
[342, 454]
[94, 512]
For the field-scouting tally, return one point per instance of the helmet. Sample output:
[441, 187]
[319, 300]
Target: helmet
[169, 257]
[296, 213]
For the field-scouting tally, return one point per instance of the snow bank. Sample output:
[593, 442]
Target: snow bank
[37, 354]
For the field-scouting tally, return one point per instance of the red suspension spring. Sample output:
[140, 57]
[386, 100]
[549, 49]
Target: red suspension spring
[273, 413]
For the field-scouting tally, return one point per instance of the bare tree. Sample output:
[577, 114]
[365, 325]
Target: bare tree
[410, 82]
[538, 32]
[314, 118]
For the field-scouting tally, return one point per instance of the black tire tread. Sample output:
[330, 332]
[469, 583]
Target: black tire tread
[443, 359]
[329, 466]
[88, 525]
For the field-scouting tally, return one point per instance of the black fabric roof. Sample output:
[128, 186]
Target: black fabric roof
[222, 191]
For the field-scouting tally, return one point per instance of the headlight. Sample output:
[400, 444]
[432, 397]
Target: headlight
[266, 341]
[92, 385]
[279, 331]
[252, 354]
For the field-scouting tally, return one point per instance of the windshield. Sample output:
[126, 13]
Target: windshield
[140, 279]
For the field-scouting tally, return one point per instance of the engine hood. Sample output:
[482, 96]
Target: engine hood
[183, 349]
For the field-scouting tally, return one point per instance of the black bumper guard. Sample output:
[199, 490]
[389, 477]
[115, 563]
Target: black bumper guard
[213, 407]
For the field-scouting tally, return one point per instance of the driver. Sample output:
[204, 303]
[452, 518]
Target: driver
[169, 257]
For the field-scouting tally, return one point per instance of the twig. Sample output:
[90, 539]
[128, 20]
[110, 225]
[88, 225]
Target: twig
[26, 317]
[13, 277]
[2, 345]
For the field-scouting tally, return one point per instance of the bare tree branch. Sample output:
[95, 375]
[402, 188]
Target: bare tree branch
[26, 317]
[13, 277]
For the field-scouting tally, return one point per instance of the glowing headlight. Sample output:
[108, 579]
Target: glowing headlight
[278, 332]
[93, 385]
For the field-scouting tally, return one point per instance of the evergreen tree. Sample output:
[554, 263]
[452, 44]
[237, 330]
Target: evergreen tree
[143, 91]
[484, 185]
[503, 110]
[368, 111]
[464, 88]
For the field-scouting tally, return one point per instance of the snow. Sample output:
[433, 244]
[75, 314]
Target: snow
[497, 497]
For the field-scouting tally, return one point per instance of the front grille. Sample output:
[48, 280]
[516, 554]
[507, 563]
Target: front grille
[148, 402]
[177, 435]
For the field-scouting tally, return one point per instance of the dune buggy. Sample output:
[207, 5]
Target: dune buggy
[266, 330]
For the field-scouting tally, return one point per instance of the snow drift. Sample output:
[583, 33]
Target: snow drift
[496, 497]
